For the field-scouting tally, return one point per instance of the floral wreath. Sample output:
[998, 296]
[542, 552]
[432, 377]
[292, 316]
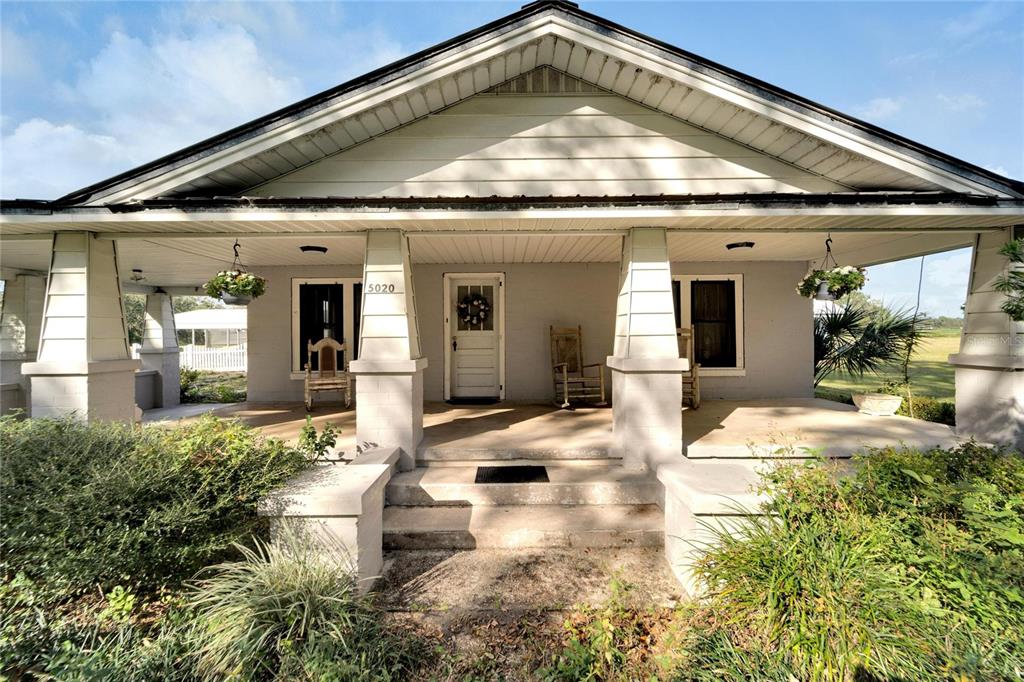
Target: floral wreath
[474, 309]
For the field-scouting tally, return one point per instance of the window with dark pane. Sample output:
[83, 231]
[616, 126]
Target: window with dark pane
[357, 312]
[321, 314]
[713, 313]
[677, 298]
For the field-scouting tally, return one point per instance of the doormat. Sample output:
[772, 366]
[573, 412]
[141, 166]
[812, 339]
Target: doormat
[473, 401]
[512, 474]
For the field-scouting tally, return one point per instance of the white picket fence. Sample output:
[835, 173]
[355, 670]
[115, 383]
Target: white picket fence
[219, 359]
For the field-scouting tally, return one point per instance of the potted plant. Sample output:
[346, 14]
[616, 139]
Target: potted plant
[236, 287]
[840, 281]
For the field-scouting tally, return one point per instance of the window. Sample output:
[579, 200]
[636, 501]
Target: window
[713, 306]
[324, 307]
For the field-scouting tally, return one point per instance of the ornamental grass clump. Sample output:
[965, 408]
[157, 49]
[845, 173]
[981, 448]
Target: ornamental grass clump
[908, 566]
[292, 610]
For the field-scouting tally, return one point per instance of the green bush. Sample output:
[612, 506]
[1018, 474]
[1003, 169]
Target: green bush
[909, 567]
[930, 410]
[90, 505]
[292, 611]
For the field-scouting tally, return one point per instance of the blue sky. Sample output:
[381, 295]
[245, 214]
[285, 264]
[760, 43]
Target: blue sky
[89, 89]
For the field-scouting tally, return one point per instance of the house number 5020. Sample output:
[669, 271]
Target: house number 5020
[382, 288]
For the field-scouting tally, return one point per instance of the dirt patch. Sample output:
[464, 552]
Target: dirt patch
[501, 614]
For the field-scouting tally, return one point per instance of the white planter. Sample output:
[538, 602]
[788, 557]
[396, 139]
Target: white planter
[880, 404]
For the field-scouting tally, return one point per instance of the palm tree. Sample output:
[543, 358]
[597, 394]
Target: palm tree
[856, 340]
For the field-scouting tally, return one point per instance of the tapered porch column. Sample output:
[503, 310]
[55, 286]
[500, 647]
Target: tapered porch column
[160, 349]
[647, 392]
[990, 364]
[20, 320]
[83, 366]
[389, 371]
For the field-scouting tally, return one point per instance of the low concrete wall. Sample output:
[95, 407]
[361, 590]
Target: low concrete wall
[341, 507]
[778, 327]
[694, 516]
[12, 397]
[145, 388]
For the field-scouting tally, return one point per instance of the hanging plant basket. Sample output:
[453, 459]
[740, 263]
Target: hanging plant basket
[830, 277]
[840, 281]
[236, 286]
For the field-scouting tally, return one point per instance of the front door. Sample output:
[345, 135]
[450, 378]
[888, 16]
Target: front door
[473, 320]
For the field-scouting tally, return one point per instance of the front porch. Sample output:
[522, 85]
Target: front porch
[510, 431]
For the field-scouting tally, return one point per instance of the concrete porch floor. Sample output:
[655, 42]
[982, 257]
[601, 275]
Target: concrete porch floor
[720, 428]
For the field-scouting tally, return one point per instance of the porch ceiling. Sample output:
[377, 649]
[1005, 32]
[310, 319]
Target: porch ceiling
[188, 261]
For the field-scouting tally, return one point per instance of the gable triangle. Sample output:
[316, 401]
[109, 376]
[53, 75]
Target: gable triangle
[543, 80]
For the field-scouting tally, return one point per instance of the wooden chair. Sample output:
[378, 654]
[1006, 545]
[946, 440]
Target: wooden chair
[568, 370]
[691, 377]
[328, 377]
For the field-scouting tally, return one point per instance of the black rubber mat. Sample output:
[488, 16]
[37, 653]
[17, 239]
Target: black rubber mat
[512, 474]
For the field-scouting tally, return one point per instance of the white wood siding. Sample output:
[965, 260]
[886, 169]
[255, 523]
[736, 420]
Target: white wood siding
[546, 145]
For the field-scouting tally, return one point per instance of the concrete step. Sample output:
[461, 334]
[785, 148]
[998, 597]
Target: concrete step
[523, 526]
[437, 453]
[567, 485]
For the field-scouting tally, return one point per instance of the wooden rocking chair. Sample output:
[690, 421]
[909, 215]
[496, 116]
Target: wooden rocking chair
[328, 377]
[691, 377]
[568, 370]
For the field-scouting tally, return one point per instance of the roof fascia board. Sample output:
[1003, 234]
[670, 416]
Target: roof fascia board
[445, 214]
[351, 104]
[764, 106]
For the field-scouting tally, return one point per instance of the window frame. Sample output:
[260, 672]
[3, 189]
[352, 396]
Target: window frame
[348, 313]
[686, 318]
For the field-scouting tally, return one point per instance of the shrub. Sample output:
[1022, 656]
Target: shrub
[910, 567]
[107, 505]
[188, 379]
[292, 611]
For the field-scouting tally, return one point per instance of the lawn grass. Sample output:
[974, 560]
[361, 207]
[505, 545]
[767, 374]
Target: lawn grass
[216, 387]
[930, 372]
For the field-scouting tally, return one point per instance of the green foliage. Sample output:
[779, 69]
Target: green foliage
[841, 281]
[1012, 283]
[921, 407]
[236, 283]
[855, 340]
[120, 603]
[198, 386]
[292, 611]
[105, 504]
[610, 642]
[909, 567]
[316, 446]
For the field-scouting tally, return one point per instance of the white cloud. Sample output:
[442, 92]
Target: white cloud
[963, 102]
[880, 108]
[44, 160]
[977, 20]
[139, 100]
[17, 59]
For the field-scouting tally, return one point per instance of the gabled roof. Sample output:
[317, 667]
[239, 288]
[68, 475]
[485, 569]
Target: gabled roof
[590, 49]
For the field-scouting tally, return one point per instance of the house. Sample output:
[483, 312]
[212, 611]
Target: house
[212, 327]
[562, 168]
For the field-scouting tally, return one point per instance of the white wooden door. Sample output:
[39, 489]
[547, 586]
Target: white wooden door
[473, 319]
